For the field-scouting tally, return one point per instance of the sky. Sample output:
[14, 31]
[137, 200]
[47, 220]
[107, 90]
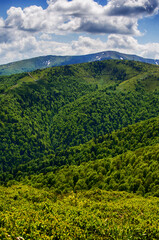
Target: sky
[76, 27]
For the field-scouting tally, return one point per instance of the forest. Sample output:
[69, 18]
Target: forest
[79, 152]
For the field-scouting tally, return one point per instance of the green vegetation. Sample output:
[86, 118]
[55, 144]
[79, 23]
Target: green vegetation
[72, 139]
[136, 172]
[124, 160]
[34, 214]
[100, 113]
[64, 107]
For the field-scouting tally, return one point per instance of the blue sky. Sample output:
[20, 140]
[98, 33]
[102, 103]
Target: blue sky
[74, 27]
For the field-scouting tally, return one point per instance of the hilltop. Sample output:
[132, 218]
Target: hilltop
[42, 62]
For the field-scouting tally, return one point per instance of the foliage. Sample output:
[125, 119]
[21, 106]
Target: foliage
[133, 171]
[74, 136]
[100, 113]
[66, 106]
[98, 214]
[131, 138]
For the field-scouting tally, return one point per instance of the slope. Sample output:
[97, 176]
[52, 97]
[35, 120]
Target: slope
[133, 171]
[60, 107]
[123, 160]
[28, 213]
[42, 62]
[77, 196]
[100, 113]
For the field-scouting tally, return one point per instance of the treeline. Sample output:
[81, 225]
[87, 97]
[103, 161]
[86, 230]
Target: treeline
[133, 171]
[100, 113]
[33, 126]
[125, 160]
[7, 82]
[25, 115]
[67, 106]
[70, 140]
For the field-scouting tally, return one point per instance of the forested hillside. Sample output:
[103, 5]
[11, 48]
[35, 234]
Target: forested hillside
[71, 134]
[124, 160]
[61, 107]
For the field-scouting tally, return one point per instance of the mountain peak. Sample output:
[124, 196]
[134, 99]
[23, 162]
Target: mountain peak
[42, 62]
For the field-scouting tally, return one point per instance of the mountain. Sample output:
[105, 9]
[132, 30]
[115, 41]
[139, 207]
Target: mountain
[125, 160]
[79, 152]
[51, 61]
[56, 108]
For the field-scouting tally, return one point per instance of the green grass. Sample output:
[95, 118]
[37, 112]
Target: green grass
[148, 81]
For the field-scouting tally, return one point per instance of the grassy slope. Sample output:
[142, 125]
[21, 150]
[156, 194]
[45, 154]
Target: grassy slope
[149, 81]
[98, 214]
[103, 73]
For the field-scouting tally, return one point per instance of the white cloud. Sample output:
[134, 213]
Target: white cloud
[29, 47]
[30, 19]
[45, 36]
[124, 44]
[132, 8]
[130, 45]
[63, 16]
[121, 42]
[2, 24]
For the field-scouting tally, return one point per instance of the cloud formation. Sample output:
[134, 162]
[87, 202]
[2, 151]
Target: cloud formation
[132, 8]
[124, 44]
[63, 16]
[32, 46]
[28, 32]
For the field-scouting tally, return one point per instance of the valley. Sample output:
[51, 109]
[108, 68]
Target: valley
[79, 152]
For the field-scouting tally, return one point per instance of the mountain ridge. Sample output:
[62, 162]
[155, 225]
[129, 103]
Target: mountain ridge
[79, 152]
[42, 62]
[66, 106]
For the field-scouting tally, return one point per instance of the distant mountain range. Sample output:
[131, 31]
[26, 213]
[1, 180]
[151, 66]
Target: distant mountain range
[52, 61]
